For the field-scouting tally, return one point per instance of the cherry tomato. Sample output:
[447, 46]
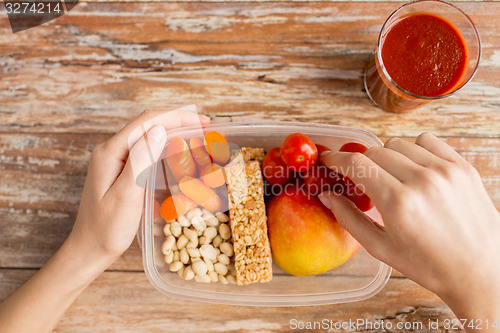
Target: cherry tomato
[353, 147]
[274, 169]
[319, 178]
[353, 192]
[298, 152]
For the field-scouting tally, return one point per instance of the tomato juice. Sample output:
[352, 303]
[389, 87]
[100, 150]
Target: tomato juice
[426, 50]
[425, 54]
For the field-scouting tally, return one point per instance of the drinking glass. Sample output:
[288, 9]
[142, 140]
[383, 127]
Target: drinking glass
[379, 85]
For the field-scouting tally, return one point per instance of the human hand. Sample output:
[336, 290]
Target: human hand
[440, 228]
[112, 201]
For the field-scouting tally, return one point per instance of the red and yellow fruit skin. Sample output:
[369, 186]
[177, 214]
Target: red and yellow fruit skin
[179, 159]
[305, 237]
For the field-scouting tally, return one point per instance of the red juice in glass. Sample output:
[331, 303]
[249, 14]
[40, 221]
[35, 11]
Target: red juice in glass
[422, 56]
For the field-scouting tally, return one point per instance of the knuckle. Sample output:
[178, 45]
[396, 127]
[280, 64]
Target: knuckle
[392, 142]
[372, 152]
[423, 137]
[428, 178]
[470, 170]
[355, 159]
[448, 170]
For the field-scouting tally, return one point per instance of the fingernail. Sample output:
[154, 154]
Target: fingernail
[325, 201]
[326, 152]
[204, 118]
[157, 133]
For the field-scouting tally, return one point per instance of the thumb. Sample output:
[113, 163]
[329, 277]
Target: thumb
[143, 154]
[366, 231]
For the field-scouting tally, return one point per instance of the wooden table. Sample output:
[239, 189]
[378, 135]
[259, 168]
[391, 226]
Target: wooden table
[73, 82]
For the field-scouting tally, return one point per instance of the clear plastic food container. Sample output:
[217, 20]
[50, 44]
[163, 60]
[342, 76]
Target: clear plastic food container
[359, 278]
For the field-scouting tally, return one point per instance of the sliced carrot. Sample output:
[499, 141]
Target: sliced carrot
[200, 193]
[200, 154]
[213, 175]
[179, 159]
[217, 147]
[175, 206]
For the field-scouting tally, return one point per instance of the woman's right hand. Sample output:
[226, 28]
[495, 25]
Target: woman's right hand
[440, 228]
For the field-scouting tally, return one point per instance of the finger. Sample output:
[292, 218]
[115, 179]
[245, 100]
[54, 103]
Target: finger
[367, 232]
[132, 132]
[111, 155]
[398, 165]
[438, 147]
[376, 182]
[414, 152]
[131, 182]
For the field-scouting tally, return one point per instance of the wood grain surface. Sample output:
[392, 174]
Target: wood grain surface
[97, 66]
[72, 82]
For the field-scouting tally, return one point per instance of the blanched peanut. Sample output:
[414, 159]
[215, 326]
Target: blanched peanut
[209, 264]
[166, 229]
[206, 212]
[199, 267]
[217, 241]
[214, 277]
[190, 234]
[220, 268]
[198, 223]
[188, 273]
[210, 232]
[168, 244]
[231, 279]
[223, 259]
[169, 257]
[194, 243]
[176, 255]
[180, 272]
[227, 249]
[211, 220]
[175, 266]
[193, 252]
[176, 229]
[223, 279]
[204, 240]
[223, 218]
[184, 221]
[184, 256]
[208, 251]
[202, 278]
[224, 231]
[181, 242]
[194, 212]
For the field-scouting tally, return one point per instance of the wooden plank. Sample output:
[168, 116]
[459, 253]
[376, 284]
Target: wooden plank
[296, 61]
[43, 175]
[126, 302]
